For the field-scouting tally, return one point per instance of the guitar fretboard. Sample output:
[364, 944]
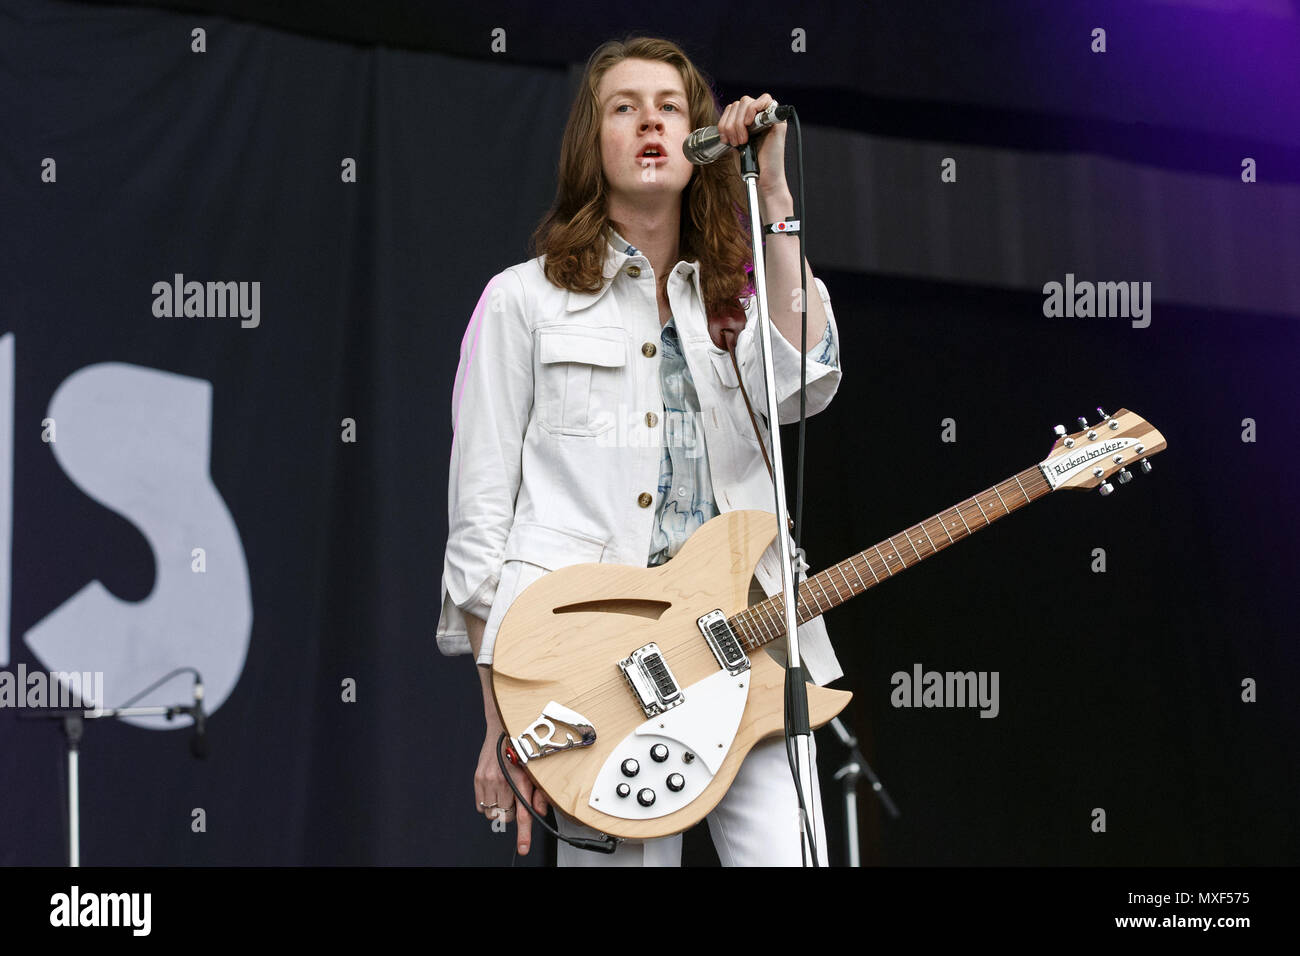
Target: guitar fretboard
[765, 622]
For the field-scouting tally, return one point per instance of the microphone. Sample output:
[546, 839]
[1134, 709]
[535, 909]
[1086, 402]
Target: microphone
[705, 145]
[199, 742]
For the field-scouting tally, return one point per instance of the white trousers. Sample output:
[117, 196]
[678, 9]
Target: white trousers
[755, 824]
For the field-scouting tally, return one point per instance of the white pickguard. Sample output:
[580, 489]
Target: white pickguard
[704, 726]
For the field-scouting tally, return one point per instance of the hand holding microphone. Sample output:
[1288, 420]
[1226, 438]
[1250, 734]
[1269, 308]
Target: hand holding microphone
[741, 119]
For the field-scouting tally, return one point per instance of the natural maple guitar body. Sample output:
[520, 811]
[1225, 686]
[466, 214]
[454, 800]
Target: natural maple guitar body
[632, 695]
[611, 610]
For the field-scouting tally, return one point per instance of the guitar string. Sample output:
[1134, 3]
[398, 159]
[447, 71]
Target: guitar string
[761, 633]
[763, 623]
[617, 686]
[757, 629]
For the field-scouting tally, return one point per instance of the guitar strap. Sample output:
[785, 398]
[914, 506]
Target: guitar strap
[729, 336]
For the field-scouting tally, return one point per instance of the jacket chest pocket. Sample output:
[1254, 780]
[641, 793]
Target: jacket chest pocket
[732, 405]
[580, 378]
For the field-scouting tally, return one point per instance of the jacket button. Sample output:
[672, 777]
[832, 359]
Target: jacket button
[648, 350]
[634, 271]
[651, 419]
[644, 499]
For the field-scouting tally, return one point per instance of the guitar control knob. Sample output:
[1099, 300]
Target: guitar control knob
[646, 797]
[676, 782]
[1125, 476]
[1106, 488]
[658, 753]
[1146, 467]
[623, 790]
[631, 768]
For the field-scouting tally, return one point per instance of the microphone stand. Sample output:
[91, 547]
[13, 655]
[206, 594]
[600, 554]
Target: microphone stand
[853, 770]
[796, 696]
[72, 722]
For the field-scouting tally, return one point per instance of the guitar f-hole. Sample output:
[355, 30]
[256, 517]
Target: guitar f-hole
[637, 607]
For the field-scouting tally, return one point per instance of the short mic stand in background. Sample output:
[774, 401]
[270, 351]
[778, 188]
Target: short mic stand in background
[854, 769]
[72, 721]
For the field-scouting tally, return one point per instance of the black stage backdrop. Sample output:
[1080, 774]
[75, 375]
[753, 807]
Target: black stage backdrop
[265, 498]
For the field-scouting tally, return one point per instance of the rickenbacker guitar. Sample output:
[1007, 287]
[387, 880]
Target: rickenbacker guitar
[632, 695]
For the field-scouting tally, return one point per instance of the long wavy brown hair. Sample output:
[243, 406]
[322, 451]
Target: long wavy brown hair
[714, 220]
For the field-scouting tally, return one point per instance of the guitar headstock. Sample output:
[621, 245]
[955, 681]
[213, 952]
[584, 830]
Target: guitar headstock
[1090, 456]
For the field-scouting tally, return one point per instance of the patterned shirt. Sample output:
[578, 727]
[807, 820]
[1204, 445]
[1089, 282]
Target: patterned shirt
[685, 485]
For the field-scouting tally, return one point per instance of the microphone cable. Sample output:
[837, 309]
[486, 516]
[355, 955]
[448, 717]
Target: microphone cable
[793, 693]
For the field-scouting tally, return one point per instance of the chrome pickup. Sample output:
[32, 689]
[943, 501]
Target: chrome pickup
[653, 684]
[723, 642]
[539, 739]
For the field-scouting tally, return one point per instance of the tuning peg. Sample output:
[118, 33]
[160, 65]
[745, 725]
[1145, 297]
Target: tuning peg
[1104, 416]
[1125, 476]
[1059, 431]
[1083, 422]
[1146, 467]
[1106, 488]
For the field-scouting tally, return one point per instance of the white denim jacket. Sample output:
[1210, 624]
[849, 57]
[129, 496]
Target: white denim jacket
[553, 459]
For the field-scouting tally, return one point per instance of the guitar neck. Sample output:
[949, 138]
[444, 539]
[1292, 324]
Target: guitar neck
[765, 622]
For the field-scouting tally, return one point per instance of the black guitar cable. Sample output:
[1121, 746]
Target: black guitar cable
[604, 845]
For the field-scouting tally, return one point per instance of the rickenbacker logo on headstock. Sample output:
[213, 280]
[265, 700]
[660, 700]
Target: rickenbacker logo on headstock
[1080, 458]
